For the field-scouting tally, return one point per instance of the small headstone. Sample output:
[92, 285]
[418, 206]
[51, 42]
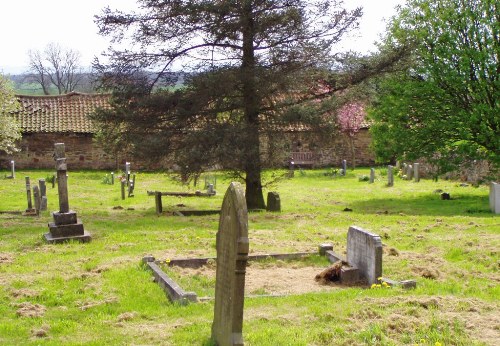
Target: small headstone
[123, 183]
[43, 194]
[364, 251]
[127, 171]
[344, 166]
[390, 176]
[416, 173]
[291, 168]
[12, 171]
[273, 201]
[210, 189]
[30, 210]
[37, 198]
[66, 225]
[495, 198]
[112, 178]
[232, 255]
[372, 175]
[409, 174]
[445, 196]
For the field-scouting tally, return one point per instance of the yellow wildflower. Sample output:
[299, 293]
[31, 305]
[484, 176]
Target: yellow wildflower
[437, 343]
[374, 285]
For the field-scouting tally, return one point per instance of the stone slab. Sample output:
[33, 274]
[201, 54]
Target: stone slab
[349, 275]
[364, 251]
[323, 248]
[57, 231]
[273, 202]
[232, 254]
[85, 238]
[174, 292]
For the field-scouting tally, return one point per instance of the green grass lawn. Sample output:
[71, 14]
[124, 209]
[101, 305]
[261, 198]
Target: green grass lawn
[99, 294]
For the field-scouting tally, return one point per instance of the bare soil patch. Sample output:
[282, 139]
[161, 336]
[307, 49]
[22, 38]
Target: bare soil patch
[27, 309]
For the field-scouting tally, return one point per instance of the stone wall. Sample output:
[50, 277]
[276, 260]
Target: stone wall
[83, 153]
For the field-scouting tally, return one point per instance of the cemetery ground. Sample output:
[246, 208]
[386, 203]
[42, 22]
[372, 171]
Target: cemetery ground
[99, 293]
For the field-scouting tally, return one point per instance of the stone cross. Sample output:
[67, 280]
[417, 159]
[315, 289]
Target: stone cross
[364, 251]
[232, 255]
[416, 173]
[372, 175]
[62, 177]
[390, 176]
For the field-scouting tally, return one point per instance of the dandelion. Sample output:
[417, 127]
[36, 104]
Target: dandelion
[437, 343]
[379, 278]
[374, 286]
[385, 284]
[422, 341]
[167, 261]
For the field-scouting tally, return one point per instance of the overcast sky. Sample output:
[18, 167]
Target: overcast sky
[32, 24]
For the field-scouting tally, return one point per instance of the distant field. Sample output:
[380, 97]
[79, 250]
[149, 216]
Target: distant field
[99, 294]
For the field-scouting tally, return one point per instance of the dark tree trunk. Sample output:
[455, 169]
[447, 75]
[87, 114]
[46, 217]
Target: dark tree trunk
[253, 166]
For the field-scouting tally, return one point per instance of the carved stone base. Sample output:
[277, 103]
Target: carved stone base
[64, 218]
[84, 238]
[30, 212]
[75, 229]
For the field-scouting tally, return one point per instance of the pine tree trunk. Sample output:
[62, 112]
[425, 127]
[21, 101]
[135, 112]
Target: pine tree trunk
[253, 166]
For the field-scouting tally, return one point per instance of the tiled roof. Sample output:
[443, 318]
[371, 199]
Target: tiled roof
[61, 113]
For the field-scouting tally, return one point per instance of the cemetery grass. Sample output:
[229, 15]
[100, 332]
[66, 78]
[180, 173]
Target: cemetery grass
[99, 293]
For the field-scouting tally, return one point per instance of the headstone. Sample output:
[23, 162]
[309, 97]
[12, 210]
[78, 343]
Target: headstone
[112, 178]
[37, 198]
[210, 189]
[495, 198]
[127, 171]
[232, 255]
[159, 207]
[390, 176]
[43, 194]
[344, 166]
[12, 171]
[409, 174]
[405, 170]
[416, 173]
[273, 201]
[372, 175]
[123, 183]
[291, 168]
[30, 210]
[131, 186]
[66, 225]
[364, 251]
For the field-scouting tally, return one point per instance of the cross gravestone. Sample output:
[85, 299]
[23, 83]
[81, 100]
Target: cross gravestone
[66, 225]
[232, 255]
[273, 201]
[495, 198]
[372, 175]
[416, 173]
[364, 251]
[390, 176]
[43, 194]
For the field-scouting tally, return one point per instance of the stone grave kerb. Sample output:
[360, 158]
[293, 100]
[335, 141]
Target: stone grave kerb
[232, 254]
[364, 251]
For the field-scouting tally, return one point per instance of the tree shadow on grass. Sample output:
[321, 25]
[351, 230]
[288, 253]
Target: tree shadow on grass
[431, 204]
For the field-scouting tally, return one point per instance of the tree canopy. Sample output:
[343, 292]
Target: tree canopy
[10, 131]
[444, 106]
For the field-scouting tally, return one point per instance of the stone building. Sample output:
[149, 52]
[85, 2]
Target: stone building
[46, 120]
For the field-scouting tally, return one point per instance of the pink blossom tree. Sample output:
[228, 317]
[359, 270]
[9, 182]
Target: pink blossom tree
[350, 118]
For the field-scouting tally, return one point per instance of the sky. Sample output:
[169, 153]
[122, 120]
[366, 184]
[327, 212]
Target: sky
[33, 24]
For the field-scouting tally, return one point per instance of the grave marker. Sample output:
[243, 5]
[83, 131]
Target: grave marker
[112, 178]
[43, 194]
[12, 171]
[390, 176]
[66, 225]
[372, 175]
[273, 201]
[232, 255]
[30, 210]
[364, 251]
[344, 167]
[416, 173]
[37, 198]
[410, 172]
[495, 198]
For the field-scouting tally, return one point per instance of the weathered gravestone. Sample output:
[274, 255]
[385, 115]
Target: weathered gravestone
[12, 171]
[409, 173]
[495, 198]
[232, 255]
[43, 194]
[416, 172]
[37, 198]
[273, 201]
[66, 225]
[372, 175]
[364, 251]
[390, 176]
[344, 167]
[30, 210]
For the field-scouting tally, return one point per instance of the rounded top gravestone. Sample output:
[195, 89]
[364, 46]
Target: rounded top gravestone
[232, 256]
